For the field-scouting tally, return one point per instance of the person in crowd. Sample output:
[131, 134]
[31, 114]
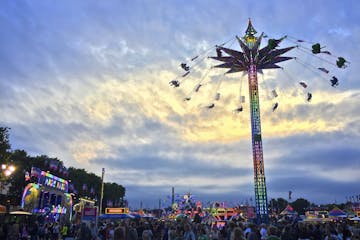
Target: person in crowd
[214, 232]
[147, 232]
[94, 231]
[24, 232]
[132, 233]
[55, 231]
[34, 230]
[347, 234]
[188, 233]
[3, 232]
[273, 233]
[64, 231]
[202, 233]
[41, 231]
[84, 232]
[254, 233]
[237, 234]
[263, 231]
[120, 231]
[303, 233]
[286, 233]
[13, 231]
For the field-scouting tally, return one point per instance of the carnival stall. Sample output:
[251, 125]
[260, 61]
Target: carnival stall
[47, 196]
[337, 213]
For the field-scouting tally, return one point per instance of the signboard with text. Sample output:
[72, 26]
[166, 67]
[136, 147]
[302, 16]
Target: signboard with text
[89, 214]
[116, 210]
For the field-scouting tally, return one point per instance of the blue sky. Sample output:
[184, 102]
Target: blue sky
[88, 82]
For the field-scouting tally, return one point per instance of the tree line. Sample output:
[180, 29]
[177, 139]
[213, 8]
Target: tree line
[82, 183]
[302, 205]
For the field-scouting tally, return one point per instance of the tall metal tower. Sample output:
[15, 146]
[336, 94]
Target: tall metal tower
[253, 60]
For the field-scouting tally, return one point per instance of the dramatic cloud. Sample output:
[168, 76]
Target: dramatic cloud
[88, 82]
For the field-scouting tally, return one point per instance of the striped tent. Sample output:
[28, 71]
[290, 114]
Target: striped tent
[337, 212]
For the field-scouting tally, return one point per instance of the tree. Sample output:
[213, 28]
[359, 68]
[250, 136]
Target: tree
[78, 177]
[114, 193]
[21, 161]
[300, 205]
[5, 147]
[281, 204]
[277, 205]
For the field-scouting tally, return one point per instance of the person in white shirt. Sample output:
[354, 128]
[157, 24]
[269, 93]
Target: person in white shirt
[263, 232]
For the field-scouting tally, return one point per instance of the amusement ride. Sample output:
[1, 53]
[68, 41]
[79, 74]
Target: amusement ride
[252, 59]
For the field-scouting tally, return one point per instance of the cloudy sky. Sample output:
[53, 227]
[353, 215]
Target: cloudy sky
[88, 82]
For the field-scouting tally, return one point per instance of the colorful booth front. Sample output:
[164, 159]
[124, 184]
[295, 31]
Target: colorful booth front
[48, 196]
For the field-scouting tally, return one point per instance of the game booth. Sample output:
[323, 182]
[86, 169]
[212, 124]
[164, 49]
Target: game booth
[48, 196]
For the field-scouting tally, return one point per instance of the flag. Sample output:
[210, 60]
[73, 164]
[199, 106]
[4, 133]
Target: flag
[60, 167]
[65, 171]
[84, 187]
[92, 190]
[35, 172]
[290, 192]
[27, 176]
[71, 187]
[53, 165]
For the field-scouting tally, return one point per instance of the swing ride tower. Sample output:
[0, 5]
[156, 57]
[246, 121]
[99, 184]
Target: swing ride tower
[253, 60]
[258, 161]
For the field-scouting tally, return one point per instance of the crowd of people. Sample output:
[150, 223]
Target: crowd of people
[185, 229]
[33, 230]
[179, 229]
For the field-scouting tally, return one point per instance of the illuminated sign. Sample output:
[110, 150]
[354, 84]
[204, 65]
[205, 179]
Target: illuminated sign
[53, 209]
[116, 210]
[53, 181]
[89, 214]
[58, 209]
[55, 184]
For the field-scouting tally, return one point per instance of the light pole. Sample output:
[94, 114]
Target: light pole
[102, 191]
[101, 196]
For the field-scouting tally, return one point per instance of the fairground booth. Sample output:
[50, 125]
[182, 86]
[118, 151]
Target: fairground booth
[47, 195]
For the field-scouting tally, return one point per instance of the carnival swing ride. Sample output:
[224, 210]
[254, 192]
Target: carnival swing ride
[252, 59]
